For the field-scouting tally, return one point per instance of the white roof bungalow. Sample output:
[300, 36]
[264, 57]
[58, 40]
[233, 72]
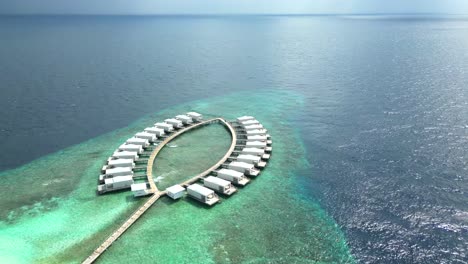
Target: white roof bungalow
[116, 183]
[120, 163]
[253, 159]
[145, 135]
[119, 182]
[167, 127]
[257, 138]
[245, 118]
[256, 151]
[132, 148]
[185, 119]
[137, 141]
[154, 130]
[250, 122]
[174, 122]
[258, 144]
[246, 168]
[195, 116]
[255, 132]
[120, 171]
[202, 194]
[175, 191]
[219, 185]
[253, 151]
[253, 127]
[125, 155]
[140, 189]
[233, 176]
[260, 138]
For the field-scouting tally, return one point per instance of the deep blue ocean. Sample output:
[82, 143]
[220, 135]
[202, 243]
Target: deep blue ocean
[385, 123]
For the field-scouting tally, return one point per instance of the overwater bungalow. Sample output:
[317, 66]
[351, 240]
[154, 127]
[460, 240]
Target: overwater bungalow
[115, 183]
[246, 168]
[174, 122]
[187, 120]
[233, 176]
[202, 194]
[257, 138]
[256, 132]
[254, 127]
[250, 122]
[252, 159]
[195, 116]
[256, 151]
[131, 148]
[258, 144]
[146, 135]
[159, 132]
[137, 141]
[245, 118]
[219, 185]
[175, 191]
[125, 155]
[165, 126]
[140, 189]
[114, 172]
[118, 163]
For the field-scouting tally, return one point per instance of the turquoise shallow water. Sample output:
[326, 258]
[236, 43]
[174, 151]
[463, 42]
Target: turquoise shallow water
[190, 154]
[58, 217]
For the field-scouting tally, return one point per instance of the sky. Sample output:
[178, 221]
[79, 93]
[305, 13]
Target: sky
[232, 6]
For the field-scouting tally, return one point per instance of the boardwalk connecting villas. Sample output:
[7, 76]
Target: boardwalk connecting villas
[239, 160]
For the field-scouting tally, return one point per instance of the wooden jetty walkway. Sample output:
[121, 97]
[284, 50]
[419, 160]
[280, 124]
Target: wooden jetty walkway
[117, 233]
[156, 194]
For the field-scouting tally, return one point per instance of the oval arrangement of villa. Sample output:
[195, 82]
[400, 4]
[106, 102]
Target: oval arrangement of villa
[130, 166]
[125, 169]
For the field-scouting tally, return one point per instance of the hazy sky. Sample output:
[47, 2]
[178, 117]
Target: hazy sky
[231, 6]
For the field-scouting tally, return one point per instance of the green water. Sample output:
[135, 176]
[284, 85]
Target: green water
[190, 154]
[51, 214]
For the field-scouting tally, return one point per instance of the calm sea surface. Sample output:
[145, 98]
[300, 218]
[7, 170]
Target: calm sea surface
[379, 106]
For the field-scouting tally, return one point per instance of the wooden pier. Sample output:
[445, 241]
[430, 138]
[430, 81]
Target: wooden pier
[156, 194]
[117, 233]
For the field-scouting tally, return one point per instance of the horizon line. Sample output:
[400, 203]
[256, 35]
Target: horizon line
[237, 14]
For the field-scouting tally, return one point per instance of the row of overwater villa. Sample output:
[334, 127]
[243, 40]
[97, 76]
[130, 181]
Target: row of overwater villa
[121, 171]
[245, 162]
[252, 150]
